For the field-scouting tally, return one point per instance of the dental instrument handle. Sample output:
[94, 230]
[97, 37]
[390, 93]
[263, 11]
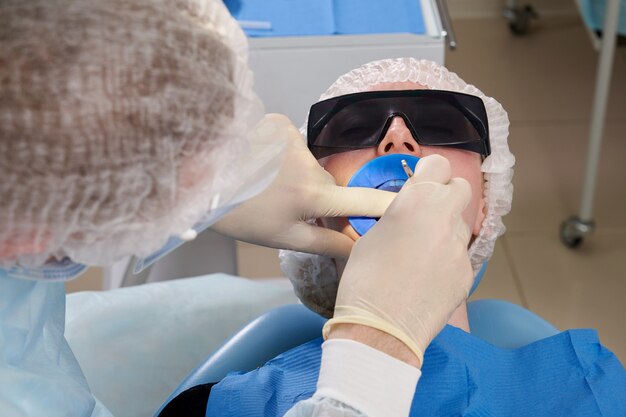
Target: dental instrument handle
[447, 31]
[406, 168]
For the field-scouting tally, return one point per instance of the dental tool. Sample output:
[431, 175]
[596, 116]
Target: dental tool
[406, 168]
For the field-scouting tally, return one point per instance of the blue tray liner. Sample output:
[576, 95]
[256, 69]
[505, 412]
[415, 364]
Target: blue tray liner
[329, 17]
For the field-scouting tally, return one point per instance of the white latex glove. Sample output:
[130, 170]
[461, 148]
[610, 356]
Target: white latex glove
[301, 192]
[409, 273]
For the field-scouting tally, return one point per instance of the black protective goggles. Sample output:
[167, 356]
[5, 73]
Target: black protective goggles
[434, 117]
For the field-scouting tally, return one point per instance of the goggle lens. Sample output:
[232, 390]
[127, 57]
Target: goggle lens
[434, 118]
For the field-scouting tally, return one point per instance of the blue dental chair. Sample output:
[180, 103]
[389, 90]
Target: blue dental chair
[500, 323]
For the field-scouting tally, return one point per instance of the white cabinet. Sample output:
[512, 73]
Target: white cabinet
[291, 72]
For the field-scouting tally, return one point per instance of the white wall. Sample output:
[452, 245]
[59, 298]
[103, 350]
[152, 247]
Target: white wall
[493, 8]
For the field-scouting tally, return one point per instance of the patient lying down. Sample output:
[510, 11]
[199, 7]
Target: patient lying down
[399, 140]
[570, 373]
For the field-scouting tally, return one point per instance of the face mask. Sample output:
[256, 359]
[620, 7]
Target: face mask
[63, 270]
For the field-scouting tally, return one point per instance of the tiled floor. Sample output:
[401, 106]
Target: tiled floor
[257, 262]
[91, 280]
[546, 82]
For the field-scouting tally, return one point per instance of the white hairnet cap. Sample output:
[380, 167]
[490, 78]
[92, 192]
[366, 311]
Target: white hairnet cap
[122, 123]
[315, 277]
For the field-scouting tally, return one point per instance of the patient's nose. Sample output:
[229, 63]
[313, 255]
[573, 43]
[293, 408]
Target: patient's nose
[398, 139]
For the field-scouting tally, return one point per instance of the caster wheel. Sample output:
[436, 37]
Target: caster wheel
[573, 231]
[519, 19]
[567, 239]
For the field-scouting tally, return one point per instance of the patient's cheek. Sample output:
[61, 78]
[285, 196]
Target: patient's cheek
[465, 165]
[343, 165]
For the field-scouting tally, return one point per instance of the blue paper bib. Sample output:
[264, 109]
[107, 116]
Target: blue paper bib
[569, 374]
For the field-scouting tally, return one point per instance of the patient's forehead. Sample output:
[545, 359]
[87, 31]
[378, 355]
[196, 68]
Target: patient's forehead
[401, 85]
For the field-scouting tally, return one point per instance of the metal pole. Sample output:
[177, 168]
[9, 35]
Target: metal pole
[446, 22]
[603, 79]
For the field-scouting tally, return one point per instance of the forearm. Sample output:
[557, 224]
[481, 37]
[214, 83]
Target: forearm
[376, 339]
[360, 380]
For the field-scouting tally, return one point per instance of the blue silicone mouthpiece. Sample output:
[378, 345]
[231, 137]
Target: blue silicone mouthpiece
[383, 173]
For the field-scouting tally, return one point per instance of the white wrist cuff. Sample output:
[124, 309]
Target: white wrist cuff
[366, 379]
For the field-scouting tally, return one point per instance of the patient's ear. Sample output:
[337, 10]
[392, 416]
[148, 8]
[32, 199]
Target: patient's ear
[480, 217]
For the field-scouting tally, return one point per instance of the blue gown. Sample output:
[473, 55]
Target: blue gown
[568, 374]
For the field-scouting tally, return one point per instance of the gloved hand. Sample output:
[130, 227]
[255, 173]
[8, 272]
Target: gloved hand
[409, 273]
[302, 191]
